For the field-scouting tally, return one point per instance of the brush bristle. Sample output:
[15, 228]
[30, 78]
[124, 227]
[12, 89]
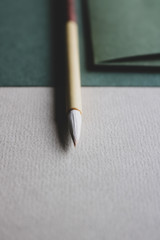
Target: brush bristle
[75, 119]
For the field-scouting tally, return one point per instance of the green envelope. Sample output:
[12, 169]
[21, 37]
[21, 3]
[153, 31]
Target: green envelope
[125, 32]
[32, 46]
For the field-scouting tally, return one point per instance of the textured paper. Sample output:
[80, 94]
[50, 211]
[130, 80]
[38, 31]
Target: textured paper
[125, 32]
[106, 188]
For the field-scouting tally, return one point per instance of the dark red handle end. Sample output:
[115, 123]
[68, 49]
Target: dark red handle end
[71, 12]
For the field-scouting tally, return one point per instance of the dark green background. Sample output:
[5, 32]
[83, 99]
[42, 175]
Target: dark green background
[32, 48]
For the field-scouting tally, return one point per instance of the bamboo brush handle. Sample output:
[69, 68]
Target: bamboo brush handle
[73, 63]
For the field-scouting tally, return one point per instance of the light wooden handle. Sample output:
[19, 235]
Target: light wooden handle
[73, 65]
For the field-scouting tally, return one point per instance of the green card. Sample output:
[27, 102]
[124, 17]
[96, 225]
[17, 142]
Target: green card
[125, 32]
[32, 45]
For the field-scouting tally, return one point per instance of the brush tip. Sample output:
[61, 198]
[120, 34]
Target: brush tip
[75, 120]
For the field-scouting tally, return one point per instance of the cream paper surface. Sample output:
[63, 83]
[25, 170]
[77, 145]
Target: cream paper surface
[107, 188]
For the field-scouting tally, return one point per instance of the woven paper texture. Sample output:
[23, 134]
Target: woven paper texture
[107, 188]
